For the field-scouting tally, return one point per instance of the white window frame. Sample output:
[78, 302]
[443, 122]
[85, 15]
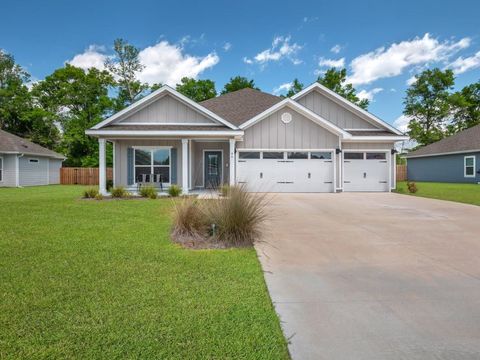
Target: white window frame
[1, 168]
[35, 161]
[465, 166]
[151, 149]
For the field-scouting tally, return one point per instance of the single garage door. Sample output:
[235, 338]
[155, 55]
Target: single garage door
[365, 171]
[286, 171]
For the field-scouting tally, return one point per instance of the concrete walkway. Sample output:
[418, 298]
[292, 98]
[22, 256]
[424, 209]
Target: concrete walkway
[374, 276]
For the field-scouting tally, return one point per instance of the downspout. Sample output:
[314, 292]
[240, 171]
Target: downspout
[17, 170]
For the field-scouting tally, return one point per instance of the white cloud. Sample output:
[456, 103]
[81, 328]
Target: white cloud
[461, 65]
[93, 56]
[227, 46]
[368, 94]
[336, 48]
[339, 63]
[163, 62]
[282, 88]
[411, 80]
[401, 123]
[392, 61]
[281, 49]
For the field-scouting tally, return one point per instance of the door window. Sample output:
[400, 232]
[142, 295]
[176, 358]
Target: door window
[353, 156]
[273, 154]
[321, 155]
[376, 156]
[297, 155]
[212, 164]
[249, 155]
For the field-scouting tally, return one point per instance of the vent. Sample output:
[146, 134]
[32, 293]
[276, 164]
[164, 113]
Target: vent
[286, 117]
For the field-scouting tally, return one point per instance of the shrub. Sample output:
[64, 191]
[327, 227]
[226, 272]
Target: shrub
[238, 219]
[190, 219]
[174, 190]
[99, 197]
[109, 184]
[412, 187]
[90, 193]
[148, 192]
[224, 190]
[119, 192]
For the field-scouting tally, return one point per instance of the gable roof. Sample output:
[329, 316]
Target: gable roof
[13, 144]
[240, 106]
[300, 109]
[347, 104]
[155, 95]
[464, 141]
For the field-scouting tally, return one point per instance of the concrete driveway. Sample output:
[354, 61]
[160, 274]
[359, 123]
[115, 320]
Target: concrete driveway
[374, 276]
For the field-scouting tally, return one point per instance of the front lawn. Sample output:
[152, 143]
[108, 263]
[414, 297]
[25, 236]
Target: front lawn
[101, 279]
[464, 193]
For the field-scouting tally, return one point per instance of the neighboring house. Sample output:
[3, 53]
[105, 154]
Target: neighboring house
[315, 141]
[453, 159]
[24, 163]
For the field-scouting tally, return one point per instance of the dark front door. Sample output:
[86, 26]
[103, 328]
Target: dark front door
[213, 168]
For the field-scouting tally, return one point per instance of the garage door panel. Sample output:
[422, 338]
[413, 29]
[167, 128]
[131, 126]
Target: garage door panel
[370, 172]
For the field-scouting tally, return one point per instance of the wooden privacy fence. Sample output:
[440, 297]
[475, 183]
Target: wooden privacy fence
[401, 172]
[81, 176]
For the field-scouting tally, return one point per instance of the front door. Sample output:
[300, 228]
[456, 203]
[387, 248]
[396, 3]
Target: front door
[213, 168]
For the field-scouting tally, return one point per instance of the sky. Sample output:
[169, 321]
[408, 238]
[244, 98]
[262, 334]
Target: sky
[382, 44]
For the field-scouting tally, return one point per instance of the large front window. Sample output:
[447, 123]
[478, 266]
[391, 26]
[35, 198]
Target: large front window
[152, 165]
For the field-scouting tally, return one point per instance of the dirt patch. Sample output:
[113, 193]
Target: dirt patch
[198, 242]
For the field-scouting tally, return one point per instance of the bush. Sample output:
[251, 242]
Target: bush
[119, 192]
[174, 190]
[190, 219]
[412, 187]
[224, 190]
[109, 184]
[99, 197]
[90, 193]
[148, 192]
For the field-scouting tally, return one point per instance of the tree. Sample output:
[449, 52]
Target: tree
[297, 86]
[466, 107]
[125, 66]
[197, 90]
[428, 104]
[77, 100]
[18, 113]
[336, 80]
[237, 83]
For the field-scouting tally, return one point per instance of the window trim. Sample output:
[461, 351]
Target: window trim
[152, 149]
[472, 166]
[1, 168]
[33, 160]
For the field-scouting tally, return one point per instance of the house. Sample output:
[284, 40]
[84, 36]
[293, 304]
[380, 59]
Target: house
[24, 163]
[453, 159]
[315, 141]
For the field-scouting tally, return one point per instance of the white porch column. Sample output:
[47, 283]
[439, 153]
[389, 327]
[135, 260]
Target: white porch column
[232, 162]
[185, 166]
[102, 169]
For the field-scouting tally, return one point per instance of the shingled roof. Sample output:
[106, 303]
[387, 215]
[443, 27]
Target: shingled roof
[14, 144]
[464, 141]
[239, 106]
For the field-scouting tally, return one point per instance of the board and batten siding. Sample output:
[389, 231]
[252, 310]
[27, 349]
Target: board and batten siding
[300, 133]
[121, 157]
[167, 110]
[33, 173]
[9, 171]
[443, 168]
[333, 112]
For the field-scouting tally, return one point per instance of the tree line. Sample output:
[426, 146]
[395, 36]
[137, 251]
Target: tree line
[56, 111]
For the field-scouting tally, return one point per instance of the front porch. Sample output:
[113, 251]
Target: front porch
[191, 163]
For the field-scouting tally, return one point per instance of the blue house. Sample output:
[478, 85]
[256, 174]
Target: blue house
[454, 159]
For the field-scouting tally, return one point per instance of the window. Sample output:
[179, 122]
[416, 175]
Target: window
[248, 155]
[469, 166]
[273, 155]
[1, 168]
[321, 155]
[353, 156]
[152, 165]
[297, 155]
[33, 161]
[376, 156]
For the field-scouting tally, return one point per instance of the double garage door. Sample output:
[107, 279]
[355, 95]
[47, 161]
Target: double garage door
[311, 171]
[286, 171]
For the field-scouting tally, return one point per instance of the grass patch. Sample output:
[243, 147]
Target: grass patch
[463, 193]
[88, 279]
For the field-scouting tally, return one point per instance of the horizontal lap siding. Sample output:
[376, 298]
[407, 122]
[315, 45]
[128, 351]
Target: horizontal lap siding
[54, 171]
[445, 168]
[8, 173]
[333, 112]
[300, 133]
[33, 173]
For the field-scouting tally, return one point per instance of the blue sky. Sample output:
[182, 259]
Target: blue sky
[381, 43]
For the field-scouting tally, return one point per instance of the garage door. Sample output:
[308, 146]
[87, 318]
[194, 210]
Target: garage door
[365, 171]
[286, 171]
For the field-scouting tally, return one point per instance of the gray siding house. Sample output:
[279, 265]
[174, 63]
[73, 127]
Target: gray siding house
[24, 163]
[455, 159]
[315, 141]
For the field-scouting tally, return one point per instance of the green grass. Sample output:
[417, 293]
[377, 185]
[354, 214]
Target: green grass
[464, 193]
[101, 279]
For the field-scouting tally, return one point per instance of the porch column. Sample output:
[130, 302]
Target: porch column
[232, 162]
[185, 166]
[102, 169]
